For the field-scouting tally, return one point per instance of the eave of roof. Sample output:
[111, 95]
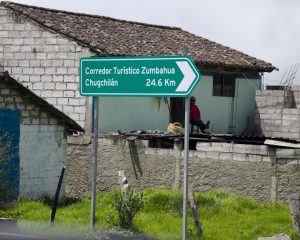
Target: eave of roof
[70, 124]
[113, 37]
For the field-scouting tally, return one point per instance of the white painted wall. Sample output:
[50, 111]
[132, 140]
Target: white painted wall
[132, 113]
[42, 156]
[138, 113]
[218, 109]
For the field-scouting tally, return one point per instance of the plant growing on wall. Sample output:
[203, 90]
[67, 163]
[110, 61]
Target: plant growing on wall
[5, 157]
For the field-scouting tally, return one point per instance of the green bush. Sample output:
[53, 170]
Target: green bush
[127, 206]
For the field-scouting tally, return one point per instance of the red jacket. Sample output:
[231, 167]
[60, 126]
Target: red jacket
[194, 112]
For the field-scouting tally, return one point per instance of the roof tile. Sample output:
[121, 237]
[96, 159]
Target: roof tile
[108, 36]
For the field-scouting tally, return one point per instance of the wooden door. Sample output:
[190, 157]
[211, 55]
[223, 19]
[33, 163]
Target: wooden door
[177, 110]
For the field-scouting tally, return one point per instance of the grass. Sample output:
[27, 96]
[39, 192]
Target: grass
[223, 215]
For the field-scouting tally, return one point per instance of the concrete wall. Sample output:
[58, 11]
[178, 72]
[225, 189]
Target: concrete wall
[45, 62]
[250, 170]
[278, 113]
[42, 156]
[42, 144]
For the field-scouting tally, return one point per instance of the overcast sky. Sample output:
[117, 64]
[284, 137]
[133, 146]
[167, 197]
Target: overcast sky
[265, 29]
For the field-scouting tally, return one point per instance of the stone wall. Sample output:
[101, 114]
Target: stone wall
[42, 149]
[45, 62]
[250, 170]
[278, 113]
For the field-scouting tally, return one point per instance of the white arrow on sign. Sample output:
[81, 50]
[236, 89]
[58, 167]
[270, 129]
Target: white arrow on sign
[188, 76]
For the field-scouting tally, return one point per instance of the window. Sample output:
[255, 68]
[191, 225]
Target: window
[223, 85]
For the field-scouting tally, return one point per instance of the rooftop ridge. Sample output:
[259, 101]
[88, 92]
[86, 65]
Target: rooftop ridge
[8, 4]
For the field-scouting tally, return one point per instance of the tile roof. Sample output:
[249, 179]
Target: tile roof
[71, 125]
[113, 37]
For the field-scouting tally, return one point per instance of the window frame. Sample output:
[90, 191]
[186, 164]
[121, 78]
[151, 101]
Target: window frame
[224, 85]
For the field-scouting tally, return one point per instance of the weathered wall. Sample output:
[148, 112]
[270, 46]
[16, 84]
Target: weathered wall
[42, 143]
[43, 154]
[45, 62]
[235, 114]
[278, 113]
[250, 170]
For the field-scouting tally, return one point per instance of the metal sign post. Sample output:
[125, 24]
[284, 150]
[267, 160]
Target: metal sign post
[186, 166]
[148, 76]
[95, 158]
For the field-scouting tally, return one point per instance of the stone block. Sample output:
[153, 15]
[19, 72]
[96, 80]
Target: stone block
[69, 63]
[58, 94]
[46, 79]
[35, 63]
[4, 91]
[4, 34]
[58, 78]
[68, 109]
[220, 147]
[293, 161]
[72, 86]
[255, 158]
[52, 100]
[62, 101]
[61, 86]
[203, 146]
[79, 109]
[69, 78]
[24, 63]
[281, 161]
[38, 71]
[212, 155]
[38, 86]
[42, 56]
[226, 156]
[239, 157]
[47, 48]
[57, 63]
[46, 94]
[49, 86]
[295, 88]
[44, 121]
[250, 149]
[62, 70]
[200, 155]
[51, 40]
[268, 159]
[69, 94]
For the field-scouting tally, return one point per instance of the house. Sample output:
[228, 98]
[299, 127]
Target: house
[35, 134]
[41, 48]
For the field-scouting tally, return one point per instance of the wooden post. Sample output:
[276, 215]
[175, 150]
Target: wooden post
[195, 213]
[294, 208]
[55, 202]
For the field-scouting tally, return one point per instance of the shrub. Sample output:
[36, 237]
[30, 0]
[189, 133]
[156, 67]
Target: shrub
[128, 206]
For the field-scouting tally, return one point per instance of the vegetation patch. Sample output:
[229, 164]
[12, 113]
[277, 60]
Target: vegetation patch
[223, 215]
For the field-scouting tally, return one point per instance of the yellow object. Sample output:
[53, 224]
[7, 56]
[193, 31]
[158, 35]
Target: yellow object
[175, 127]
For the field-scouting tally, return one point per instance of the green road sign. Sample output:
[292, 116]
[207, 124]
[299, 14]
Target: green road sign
[173, 76]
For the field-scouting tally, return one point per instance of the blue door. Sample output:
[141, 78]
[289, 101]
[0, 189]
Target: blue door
[9, 154]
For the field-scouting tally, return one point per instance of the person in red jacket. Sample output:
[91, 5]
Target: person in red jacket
[195, 116]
